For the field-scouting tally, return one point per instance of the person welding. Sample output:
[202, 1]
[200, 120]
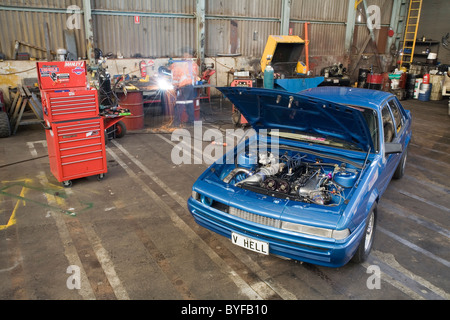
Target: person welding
[184, 76]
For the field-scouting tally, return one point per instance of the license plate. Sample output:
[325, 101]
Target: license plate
[250, 244]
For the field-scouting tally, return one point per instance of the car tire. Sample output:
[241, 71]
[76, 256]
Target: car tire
[399, 172]
[365, 246]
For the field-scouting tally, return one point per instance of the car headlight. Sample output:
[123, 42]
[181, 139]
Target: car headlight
[315, 231]
[202, 198]
[195, 195]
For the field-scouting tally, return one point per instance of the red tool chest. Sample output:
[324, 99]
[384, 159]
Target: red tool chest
[74, 130]
[71, 105]
[77, 149]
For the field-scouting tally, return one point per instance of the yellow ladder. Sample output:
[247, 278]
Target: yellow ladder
[409, 40]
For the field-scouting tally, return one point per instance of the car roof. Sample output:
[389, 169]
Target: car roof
[349, 96]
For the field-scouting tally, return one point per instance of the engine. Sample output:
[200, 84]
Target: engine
[293, 176]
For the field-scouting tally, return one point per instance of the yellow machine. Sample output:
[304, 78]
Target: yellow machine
[283, 53]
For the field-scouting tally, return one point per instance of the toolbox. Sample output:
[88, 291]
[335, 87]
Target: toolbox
[75, 131]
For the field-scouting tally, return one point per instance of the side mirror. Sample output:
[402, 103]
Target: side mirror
[390, 148]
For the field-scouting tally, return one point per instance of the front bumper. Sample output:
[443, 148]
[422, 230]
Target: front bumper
[311, 249]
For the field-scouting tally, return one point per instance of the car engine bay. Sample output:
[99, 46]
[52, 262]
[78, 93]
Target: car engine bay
[295, 176]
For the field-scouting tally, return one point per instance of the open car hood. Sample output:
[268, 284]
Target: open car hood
[297, 113]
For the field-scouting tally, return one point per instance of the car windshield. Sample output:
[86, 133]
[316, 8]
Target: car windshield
[369, 116]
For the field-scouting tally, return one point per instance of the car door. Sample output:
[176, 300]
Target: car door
[393, 122]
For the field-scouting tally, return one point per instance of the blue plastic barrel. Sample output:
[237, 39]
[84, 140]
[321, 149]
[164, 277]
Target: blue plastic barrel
[425, 92]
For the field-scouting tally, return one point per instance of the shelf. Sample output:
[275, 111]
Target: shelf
[428, 42]
[431, 42]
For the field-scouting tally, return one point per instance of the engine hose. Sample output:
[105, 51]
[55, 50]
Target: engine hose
[234, 172]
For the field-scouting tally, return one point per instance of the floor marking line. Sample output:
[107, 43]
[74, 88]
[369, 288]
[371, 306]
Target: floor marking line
[193, 147]
[106, 263]
[397, 284]
[285, 294]
[438, 162]
[428, 183]
[102, 255]
[178, 222]
[33, 149]
[431, 203]
[12, 218]
[414, 247]
[70, 251]
[428, 149]
[389, 260]
[399, 210]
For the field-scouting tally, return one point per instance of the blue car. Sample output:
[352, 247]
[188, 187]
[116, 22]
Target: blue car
[306, 185]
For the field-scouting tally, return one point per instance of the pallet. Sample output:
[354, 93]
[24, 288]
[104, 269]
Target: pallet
[25, 109]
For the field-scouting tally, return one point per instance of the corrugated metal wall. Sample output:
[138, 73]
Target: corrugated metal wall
[244, 8]
[53, 4]
[146, 6]
[250, 39]
[232, 26]
[240, 26]
[25, 19]
[319, 10]
[165, 27]
[153, 37]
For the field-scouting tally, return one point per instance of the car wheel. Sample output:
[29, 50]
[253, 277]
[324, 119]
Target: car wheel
[365, 246]
[401, 166]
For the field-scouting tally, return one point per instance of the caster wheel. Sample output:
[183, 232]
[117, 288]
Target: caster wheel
[100, 176]
[121, 129]
[67, 184]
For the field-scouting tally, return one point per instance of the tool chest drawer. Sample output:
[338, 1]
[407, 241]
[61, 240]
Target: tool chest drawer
[65, 106]
[78, 148]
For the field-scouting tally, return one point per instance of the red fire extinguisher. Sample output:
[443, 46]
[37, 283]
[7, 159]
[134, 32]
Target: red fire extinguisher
[143, 67]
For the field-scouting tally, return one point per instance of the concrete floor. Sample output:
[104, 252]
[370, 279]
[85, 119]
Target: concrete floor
[130, 236]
